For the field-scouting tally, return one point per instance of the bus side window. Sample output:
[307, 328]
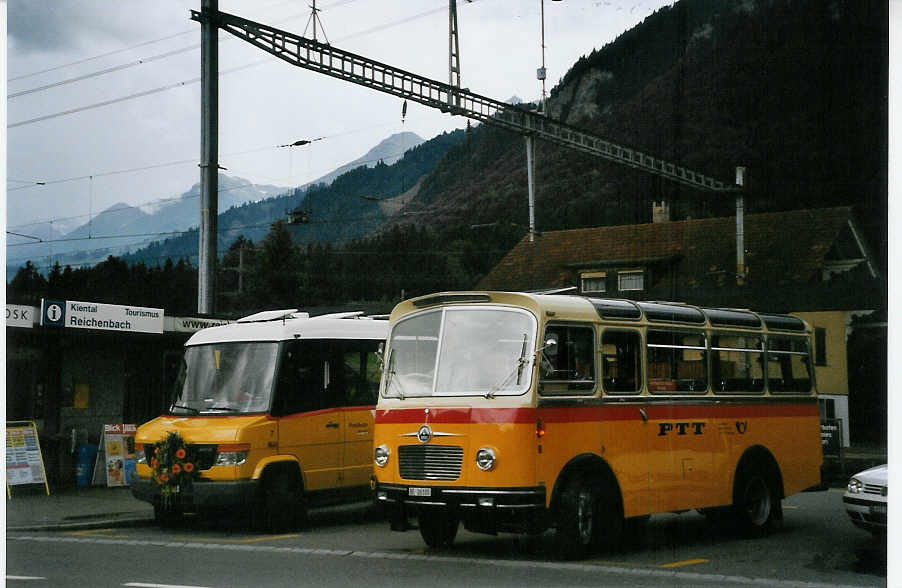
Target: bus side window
[676, 361]
[788, 365]
[568, 366]
[621, 368]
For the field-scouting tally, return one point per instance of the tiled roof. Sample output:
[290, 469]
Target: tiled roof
[782, 248]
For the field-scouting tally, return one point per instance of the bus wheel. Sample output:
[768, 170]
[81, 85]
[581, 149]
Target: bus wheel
[757, 504]
[589, 518]
[437, 527]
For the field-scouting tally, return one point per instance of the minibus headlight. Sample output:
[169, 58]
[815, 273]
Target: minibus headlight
[380, 455]
[855, 486]
[231, 455]
[485, 459]
[140, 456]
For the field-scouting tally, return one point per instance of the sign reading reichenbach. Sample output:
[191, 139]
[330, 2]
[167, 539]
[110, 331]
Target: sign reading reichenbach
[94, 315]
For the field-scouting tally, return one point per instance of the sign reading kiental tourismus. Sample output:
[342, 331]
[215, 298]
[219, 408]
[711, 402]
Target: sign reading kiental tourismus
[94, 315]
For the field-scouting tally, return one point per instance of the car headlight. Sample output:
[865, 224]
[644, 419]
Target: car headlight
[485, 459]
[231, 455]
[855, 486]
[380, 455]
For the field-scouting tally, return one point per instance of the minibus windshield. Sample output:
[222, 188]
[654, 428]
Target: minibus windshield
[226, 378]
[461, 352]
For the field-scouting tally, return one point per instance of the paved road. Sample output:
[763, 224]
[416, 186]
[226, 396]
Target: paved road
[816, 547]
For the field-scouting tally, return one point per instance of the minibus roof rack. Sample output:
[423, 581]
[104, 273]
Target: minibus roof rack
[273, 315]
[340, 315]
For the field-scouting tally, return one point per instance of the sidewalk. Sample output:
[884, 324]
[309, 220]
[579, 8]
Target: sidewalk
[30, 509]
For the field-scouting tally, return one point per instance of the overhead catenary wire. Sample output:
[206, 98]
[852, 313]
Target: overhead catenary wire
[197, 79]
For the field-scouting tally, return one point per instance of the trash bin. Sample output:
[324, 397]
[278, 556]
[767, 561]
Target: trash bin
[84, 466]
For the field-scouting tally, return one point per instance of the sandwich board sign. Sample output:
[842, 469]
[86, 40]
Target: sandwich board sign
[24, 462]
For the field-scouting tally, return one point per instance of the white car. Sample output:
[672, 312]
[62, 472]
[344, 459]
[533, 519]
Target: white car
[865, 499]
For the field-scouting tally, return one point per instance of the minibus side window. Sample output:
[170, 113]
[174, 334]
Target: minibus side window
[567, 362]
[676, 361]
[301, 383]
[788, 365]
[737, 363]
[361, 371]
[621, 362]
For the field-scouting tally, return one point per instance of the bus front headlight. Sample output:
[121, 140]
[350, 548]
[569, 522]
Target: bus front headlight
[485, 459]
[380, 455]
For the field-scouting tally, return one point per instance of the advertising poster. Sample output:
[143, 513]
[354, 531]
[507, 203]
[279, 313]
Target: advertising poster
[24, 464]
[119, 454]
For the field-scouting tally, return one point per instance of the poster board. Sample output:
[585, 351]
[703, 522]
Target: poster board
[24, 462]
[115, 464]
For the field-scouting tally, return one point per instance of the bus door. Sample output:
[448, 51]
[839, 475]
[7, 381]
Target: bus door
[311, 427]
[624, 435]
[679, 428]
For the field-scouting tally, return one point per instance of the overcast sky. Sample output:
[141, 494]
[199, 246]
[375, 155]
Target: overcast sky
[66, 57]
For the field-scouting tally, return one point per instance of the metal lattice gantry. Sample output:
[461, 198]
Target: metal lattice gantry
[331, 61]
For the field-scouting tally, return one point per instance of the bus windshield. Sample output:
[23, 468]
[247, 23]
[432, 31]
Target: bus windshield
[226, 378]
[461, 352]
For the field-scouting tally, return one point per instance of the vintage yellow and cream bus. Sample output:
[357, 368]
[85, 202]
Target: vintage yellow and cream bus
[521, 412]
[269, 414]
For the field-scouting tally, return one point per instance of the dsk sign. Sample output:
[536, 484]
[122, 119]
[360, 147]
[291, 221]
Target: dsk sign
[94, 315]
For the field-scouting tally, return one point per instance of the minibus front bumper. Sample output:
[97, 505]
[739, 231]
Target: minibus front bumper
[203, 494]
[486, 510]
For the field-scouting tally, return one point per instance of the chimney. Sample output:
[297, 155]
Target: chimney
[660, 211]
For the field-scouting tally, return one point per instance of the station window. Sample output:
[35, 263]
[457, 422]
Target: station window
[737, 363]
[567, 362]
[593, 282]
[621, 370]
[676, 361]
[631, 280]
[788, 364]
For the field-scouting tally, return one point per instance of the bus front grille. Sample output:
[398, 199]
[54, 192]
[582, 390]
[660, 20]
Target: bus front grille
[430, 462]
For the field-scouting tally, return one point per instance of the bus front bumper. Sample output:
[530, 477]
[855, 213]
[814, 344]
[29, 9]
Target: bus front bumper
[203, 494]
[486, 510]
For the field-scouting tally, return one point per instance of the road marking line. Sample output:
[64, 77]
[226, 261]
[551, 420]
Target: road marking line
[250, 540]
[146, 585]
[97, 533]
[25, 578]
[685, 562]
[791, 507]
[670, 575]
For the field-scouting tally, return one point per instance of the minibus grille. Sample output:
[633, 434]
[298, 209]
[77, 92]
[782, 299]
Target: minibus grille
[430, 462]
[205, 455]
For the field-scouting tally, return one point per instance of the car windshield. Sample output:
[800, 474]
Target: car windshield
[461, 352]
[226, 378]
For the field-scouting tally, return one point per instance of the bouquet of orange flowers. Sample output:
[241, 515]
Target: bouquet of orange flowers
[174, 467]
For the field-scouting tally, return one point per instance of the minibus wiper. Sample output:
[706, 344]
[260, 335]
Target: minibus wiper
[222, 408]
[188, 408]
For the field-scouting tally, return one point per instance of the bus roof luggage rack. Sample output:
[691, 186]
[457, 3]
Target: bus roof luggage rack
[783, 322]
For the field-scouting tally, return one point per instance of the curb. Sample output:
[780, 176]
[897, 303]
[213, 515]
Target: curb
[123, 522]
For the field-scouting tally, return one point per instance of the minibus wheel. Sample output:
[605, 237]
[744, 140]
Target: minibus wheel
[280, 504]
[438, 527]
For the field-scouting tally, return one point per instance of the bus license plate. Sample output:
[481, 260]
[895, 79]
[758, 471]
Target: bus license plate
[419, 491]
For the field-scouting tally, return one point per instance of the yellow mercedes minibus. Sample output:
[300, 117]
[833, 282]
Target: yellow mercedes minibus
[269, 414]
[522, 412]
